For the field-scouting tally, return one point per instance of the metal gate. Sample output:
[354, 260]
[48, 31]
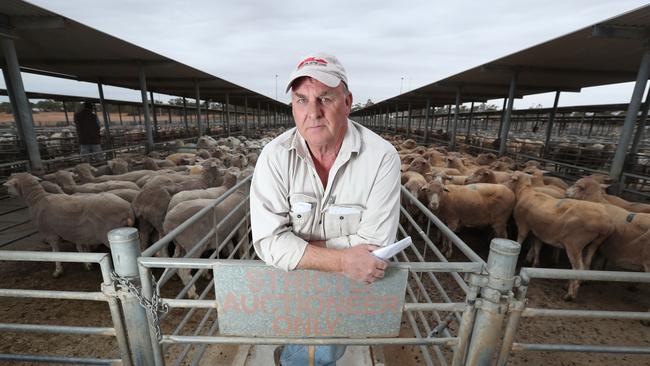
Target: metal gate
[459, 313]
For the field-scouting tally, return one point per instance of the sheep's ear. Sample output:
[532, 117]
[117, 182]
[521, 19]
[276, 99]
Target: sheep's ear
[423, 189]
[445, 189]
[605, 186]
[544, 171]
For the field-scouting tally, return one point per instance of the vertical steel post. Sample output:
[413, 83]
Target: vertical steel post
[549, 126]
[426, 121]
[187, 127]
[227, 126]
[21, 110]
[259, 115]
[469, 124]
[125, 250]
[145, 109]
[169, 115]
[493, 301]
[267, 120]
[119, 114]
[245, 115]
[12, 100]
[641, 127]
[275, 115]
[65, 112]
[454, 126]
[631, 116]
[107, 120]
[154, 115]
[506, 119]
[197, 97]
[408, 122]
[396, 116]
[503, 114]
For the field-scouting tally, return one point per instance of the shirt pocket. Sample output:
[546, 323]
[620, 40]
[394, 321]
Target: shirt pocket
[302, 214]
[342, 220]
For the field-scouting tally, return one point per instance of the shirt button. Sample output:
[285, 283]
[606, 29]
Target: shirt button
[341, 217]
[320, 222]
[299, 216]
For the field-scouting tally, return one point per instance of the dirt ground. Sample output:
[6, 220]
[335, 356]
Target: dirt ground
[542, 294]
[52, 119]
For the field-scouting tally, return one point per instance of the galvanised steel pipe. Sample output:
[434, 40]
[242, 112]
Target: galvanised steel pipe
[517, 347]
[60, 329]
[60, 360]
[593, 314]
[145, 109]
[125, 249]
[448, 342]
[585, 275]
[490, 313]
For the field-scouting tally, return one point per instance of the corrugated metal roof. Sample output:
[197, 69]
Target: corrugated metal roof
[569, 63]
[48, 43]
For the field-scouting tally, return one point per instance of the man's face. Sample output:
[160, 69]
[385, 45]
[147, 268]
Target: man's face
[321, 112]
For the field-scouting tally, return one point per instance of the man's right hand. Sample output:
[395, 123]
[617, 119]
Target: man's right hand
[360, 265]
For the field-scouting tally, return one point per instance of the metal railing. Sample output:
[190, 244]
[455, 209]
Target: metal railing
[105, 294]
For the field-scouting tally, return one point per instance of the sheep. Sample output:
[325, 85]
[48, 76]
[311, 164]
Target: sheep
[485, 159]
[187, 240]
[579, 227]
[589, 189]
[421, 166]
[485, 175]
[85, 174]
[150, 205]
[84, 220]
[114, 166]
[66, 181]
[627, 246]
[50, 187]
[229, 181]
[474, 205]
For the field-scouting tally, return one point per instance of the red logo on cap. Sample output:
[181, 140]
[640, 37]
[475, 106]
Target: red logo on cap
[312, 61]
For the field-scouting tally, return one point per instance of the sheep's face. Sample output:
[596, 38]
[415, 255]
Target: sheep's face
[583, 189]
[417, 165]
[12, 187]
[433, 191]
[479, 176]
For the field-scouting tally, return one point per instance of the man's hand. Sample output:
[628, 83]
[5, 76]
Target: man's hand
[360, 265]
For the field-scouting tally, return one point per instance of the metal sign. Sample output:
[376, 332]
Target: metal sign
[254, 299]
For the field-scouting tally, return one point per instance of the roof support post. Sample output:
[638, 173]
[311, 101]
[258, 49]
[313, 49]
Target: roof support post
[259, 116]
[454, 126]
[267, 121]
[641, 127]
[12, 100]
[65, 112]
[426, 121]
[187, 127]
[503, 113]
[549, 126]
[396, 117]
[448, 120]
[107, 121]
[469, 124]
[20, 104]
[145, 109]
[197, 97]
[227, 120]
[506, 119]
[408, 123]
[631, 116]
[153, 113]
[207, 116]
[245, 115]
[169, 116]
[275, 116]
[119, 113]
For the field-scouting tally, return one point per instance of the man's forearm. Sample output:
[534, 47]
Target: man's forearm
[318, 257]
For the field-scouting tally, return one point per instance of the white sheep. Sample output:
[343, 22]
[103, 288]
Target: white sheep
[83, 220]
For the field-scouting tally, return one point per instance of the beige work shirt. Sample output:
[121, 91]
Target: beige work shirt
[289, 205]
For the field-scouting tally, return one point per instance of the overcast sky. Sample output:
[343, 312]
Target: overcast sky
[380, 43]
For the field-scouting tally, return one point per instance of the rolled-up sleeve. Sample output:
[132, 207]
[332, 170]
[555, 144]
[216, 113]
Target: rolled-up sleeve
[380, 219]
[273, 239]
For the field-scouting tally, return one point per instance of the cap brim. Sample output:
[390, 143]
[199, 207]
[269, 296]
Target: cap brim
[324, 77]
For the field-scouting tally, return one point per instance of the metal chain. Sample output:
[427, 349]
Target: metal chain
[155, 307]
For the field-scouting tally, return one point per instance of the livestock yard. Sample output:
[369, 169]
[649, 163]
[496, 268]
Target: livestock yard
[530, 228]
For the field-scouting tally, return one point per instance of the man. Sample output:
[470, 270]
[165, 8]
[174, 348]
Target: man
[325, 194]
[87, 125]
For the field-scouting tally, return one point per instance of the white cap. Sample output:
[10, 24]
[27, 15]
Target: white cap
[323, 67]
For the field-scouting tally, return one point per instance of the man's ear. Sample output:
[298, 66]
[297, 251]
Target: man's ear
[348, 101]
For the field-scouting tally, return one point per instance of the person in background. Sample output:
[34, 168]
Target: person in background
[326, 193]
[87, 125]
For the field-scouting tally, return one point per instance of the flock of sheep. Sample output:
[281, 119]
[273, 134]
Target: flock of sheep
[483, 191]
[81, 205]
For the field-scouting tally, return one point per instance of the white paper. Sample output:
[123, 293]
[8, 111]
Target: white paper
[341, 210]
[389, 251]
[301, 207]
